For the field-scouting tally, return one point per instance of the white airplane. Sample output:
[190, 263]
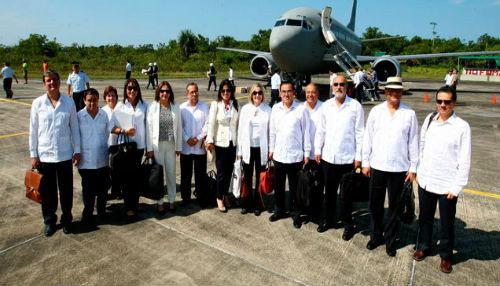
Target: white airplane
[307, 41]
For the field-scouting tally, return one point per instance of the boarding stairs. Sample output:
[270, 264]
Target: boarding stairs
[341, 56]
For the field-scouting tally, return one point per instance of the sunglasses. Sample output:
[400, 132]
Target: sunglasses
[446, 101]
[130, 88]
[257, 93]
[337, 84]
[165, 91]
[225, 91]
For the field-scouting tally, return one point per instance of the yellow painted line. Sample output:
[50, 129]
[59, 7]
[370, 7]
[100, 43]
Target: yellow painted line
[12, 135]
[15, 101]
[482, 193]
[241, 97]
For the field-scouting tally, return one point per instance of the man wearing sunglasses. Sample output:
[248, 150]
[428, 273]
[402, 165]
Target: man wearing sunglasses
[78, 82]
[337, 146]
[443, 171]
[390, 156]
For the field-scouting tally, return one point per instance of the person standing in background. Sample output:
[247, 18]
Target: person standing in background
[231, 76]
[7, 73]
[77, 81]
[155, 73]
[211, 77]
[128, 70]
[45, 65]
[25, 71]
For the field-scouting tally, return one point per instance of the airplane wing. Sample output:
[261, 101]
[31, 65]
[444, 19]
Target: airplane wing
[382, 39]
[426, 56]
[244, 51]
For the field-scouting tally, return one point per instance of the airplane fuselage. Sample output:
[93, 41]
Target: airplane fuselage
[297, 35]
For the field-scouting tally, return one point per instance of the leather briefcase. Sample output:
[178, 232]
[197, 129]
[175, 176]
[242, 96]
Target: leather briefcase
[33, 181]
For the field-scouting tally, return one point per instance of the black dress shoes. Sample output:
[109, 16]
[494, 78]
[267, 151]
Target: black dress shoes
[244, 211]
[297, 223]
[49, 230]
[275, 217]
[67, 228]
[256, 212]
[390, 250]
[373, 243]
[322, 227]
[348, 233]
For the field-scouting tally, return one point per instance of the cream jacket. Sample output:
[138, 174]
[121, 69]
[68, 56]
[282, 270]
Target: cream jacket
[153, 126]
[220, 130]
[247, 112]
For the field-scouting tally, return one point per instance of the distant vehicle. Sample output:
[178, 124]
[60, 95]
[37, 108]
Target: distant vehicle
[305, 41]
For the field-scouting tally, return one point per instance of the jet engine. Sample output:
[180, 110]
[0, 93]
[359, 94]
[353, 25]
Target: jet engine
[385, 67]
[259, 65]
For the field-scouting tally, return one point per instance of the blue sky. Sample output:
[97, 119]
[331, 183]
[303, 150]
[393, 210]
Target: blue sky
[125, 22]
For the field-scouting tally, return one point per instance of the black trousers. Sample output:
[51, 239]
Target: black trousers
[127, 74]
[332, 173]
[282, 171]
[78, 99]
[447, 210]
[7, 86]
[210, 80]
[57, 175]
[94, 186]
[131, 186]
[359, 93]
[200, 171]
[156, 79]
[151, 81]
[275, 97]
[379, 182]
[224, 162]
[253, 201]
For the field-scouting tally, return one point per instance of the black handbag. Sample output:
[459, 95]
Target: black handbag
[207, 197]
[123, 157]
[308, 186]
[406, 212]
[354, 186]
[152, 180]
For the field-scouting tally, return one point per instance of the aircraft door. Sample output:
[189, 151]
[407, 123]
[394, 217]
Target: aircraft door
[326, 25]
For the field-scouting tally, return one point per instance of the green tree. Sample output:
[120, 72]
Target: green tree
[187, 42]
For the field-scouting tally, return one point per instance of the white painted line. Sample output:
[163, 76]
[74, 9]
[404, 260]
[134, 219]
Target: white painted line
[19, 244]
[229, 253]
[412, 272]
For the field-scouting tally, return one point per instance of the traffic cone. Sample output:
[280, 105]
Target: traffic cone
[426, 99]
[494, 101]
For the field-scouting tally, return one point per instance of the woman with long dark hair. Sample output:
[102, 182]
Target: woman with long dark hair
[136, 107]
[222, 136]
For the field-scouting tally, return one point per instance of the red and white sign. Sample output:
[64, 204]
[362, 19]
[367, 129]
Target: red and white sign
[480, 72]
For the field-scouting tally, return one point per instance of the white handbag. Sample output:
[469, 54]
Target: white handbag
[236, 179]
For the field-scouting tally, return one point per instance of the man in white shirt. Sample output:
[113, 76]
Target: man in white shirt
[53, 133]
[338, 141]
[449, 77]
[333, 75]
[231, 76]
[7, 73]
[313, 106]
[289, 147]
[442, 173]
[194, 113]
[358, 84]
[275, 87]
[390, 156]
[77, 82]
[128, 69]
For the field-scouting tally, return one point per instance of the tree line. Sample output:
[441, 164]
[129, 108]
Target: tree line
[192, 53]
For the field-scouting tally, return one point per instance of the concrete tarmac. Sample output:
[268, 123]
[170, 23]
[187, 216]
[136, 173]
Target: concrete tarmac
[205, 247]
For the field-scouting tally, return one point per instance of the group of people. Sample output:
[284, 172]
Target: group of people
[329, 136]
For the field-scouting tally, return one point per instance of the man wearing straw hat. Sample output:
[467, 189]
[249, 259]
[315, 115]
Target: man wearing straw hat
[389, 158]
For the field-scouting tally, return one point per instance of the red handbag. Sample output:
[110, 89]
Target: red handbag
[266, 184]
[244, 193]
[32, 181]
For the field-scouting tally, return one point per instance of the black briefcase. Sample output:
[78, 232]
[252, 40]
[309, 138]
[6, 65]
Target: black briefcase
[123, 157]
[354, 186]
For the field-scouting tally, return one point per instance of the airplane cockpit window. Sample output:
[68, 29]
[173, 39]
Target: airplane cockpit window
[293, 22]
[280, 23]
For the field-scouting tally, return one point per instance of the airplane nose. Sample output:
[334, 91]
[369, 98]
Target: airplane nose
[282, 39]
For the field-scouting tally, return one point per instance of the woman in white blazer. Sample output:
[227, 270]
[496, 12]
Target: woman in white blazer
[222, 136]
[253, 135]
[164, 138]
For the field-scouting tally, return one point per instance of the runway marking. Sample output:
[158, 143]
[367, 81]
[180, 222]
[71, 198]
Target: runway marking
[19, 244]
[15, 101]
[241, 97]
[12, 135]
[229, 253]
[482, 193]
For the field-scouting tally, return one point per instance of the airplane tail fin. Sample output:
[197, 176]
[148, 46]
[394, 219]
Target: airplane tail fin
[352, 22]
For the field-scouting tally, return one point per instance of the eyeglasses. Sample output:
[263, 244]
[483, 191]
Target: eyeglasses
[339, 83]
[225, 91]
[165, 91]
[446, 101]
[257, 93]
[130, 88]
